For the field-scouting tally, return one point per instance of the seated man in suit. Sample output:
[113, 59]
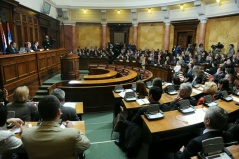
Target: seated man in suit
[215, 121]
[154, 96]
[49, 140]
[185, 91]
[68, 113]
[35, 46]
[12, 48]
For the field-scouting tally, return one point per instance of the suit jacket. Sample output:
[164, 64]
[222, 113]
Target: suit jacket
[195, 145]
[26, 111]
[11, 50]
[69, 113]
[34, 48]
[49, 140]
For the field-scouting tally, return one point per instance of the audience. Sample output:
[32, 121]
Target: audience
[50, 140]
[25, 110]
[223, 85]
[141, 89]
[68, 113]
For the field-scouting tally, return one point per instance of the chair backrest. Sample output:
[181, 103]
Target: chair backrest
[213, 146]
[185, 103]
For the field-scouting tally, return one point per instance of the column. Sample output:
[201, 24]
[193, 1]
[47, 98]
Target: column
[135, 35]
[70, 37]
[166, 36]
[202, 31]
[104, 42]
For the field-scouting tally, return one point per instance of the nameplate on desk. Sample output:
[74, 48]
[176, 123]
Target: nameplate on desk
[70, 104]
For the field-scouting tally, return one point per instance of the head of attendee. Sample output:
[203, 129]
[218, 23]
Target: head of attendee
[215, 121]
[176, 82]
[210, 88]
[34, 143]
[24, 109]
[4, 96]
[27, 46]
[223, 84]
[231, 78]
[68, 113]
[188, 78]
[157, 82]
[184, 93]
[141, 89]
[155, 94]
[60, 94]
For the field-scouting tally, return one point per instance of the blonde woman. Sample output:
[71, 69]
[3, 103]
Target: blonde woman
[210, 88]
[26, 111]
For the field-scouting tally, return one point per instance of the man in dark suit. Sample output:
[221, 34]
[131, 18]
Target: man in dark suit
[12, 48]
[35, 46]
[46, 44]
[215, 121]
[68, 113]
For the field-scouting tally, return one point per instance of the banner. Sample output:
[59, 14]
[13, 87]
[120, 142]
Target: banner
[4, 43]
[9, 36]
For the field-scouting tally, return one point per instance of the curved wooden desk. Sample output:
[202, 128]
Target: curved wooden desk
[129, 78]
[106, 74]
[96, 94]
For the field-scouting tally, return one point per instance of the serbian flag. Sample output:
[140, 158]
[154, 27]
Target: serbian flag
[4, 43]
[9, 36]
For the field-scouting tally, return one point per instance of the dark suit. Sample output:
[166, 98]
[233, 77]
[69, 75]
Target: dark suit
[12, 50]
[34, 48]
[69, 114]
[195, 145]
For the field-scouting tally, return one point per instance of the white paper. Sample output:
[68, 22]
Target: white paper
[121, 94]
[16, 130]
[200, 88]
[128, 90]
[197, 91]
[62, 126]
[167, 84]
[235, 99]
[70, 104]
[74, 82]
[142, 101]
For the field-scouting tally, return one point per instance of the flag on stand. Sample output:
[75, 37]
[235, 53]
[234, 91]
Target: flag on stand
[9, 36]
[4, 43]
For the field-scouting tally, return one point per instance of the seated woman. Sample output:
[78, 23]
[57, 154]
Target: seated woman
[177, 68]
[28, 47]
[141, 89]
[27, 111]
[8, 141]
[223, 85]
[210, 88]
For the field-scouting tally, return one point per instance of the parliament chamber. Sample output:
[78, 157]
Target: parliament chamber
[96, 46]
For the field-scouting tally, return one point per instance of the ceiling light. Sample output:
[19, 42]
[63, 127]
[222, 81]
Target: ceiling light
[118, 11]
[84, 11]
[181, 6]
[218, 1]
[149, 10]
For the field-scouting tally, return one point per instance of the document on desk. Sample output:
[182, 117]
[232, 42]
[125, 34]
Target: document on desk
[200, 88]
[142, 101]
[17, 130]
[196, 91]
[235, 99]
[70, 104]
[122, 94]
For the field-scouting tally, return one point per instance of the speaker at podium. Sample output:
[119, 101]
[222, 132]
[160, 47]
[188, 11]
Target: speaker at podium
[70, 67]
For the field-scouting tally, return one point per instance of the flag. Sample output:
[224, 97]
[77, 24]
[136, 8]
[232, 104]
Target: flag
[9, 36]
[4, 43]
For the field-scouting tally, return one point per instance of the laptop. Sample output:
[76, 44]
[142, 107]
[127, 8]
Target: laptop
[130, 96]
[133, 87]
[213, 148]
[118, 88]
[153, 112]
[22, 50]
[185, 107]
[149, 84]
[170, 90]
[225, 96]
[208, 101]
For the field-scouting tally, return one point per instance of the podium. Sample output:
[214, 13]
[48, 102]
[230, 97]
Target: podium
[70, 67]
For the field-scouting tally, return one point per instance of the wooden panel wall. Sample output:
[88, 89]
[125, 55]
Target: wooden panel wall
[29, 25]
[29, 69]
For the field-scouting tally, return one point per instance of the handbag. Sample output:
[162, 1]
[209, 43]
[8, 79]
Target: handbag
[118, 123]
